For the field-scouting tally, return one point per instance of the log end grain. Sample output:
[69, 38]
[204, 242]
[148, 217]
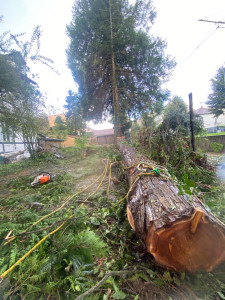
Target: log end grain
[190, 245]
[177, 229]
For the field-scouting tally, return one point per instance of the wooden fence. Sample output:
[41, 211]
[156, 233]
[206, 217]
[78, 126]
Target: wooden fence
[102, 140]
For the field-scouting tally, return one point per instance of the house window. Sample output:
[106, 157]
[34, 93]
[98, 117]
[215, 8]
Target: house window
[8, 135]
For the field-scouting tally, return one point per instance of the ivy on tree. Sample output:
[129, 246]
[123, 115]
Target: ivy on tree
[117, 64]
[216, 100]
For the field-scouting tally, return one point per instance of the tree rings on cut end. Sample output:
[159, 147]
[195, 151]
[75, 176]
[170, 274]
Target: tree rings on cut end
[192, 244]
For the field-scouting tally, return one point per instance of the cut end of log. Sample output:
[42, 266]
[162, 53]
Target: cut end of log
[192, 244]
[176, 229]
[130, 218]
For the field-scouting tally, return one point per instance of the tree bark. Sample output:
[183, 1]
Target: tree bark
[176, 229]
[116, 106]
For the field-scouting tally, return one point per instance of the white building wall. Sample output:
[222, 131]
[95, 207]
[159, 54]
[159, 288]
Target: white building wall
[212, 123]
[209, 120]
[12, 145]
[221, 120]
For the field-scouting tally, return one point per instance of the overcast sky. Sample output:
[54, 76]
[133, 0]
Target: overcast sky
[198, 47]
[53, 15]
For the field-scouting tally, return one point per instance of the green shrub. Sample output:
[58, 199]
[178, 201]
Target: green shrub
[82, 141]
[217, 147]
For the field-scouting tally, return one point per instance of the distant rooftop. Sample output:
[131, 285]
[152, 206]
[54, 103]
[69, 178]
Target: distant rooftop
[202, 111]
[103, 132]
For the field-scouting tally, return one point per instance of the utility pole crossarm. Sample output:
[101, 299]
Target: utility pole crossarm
[210, 21]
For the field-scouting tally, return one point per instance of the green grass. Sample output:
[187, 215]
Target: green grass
[211, 134]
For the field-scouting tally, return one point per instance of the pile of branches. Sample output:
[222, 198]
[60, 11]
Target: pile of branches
[173, 150]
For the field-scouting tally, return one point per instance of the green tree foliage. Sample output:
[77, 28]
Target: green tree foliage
[21, 103]
[75, 122]
[169, 143]
[10, 76]
[58, 120]
[30, 50]
[177, 119]
[59, 124]
[216, 100]
[60, 129]
[118, 66]
[5, 40]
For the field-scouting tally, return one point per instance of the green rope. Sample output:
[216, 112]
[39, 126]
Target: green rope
[157, 171]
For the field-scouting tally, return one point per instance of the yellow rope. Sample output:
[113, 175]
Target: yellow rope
[57, 209]
[135, 178]
[52, 232]
[98, 187]
[126, 168]
[70, 198]
[110, 174]
[143, 164]
[31, 250]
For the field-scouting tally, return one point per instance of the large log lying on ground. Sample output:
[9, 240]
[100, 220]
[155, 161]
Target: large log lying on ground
[176, 229]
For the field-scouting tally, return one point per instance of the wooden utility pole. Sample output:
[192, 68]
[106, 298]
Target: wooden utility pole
[191, 121]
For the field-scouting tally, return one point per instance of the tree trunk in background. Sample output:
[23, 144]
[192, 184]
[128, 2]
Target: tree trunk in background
[115, 94]
[176, 229]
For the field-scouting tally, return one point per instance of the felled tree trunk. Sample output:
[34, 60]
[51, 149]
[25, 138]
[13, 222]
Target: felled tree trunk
[176, 229]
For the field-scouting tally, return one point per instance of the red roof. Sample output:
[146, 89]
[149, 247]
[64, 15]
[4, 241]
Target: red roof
[103, 132]
[202, 111]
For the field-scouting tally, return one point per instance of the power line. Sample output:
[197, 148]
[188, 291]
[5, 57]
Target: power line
[199, 45]
[218, 23]
[215, 13]
[196, 48]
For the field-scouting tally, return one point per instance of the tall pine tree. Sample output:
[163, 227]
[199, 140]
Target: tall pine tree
[118, 66]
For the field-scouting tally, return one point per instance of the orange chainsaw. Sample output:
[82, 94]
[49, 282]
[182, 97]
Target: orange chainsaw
[42, 178]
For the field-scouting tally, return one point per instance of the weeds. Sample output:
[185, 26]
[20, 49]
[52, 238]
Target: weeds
[96, 239]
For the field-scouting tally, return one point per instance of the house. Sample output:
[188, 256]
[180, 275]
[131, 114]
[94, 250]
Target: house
[102, 137]
[211, 123]
[13, 65]
[10, 143]
[99, 137]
